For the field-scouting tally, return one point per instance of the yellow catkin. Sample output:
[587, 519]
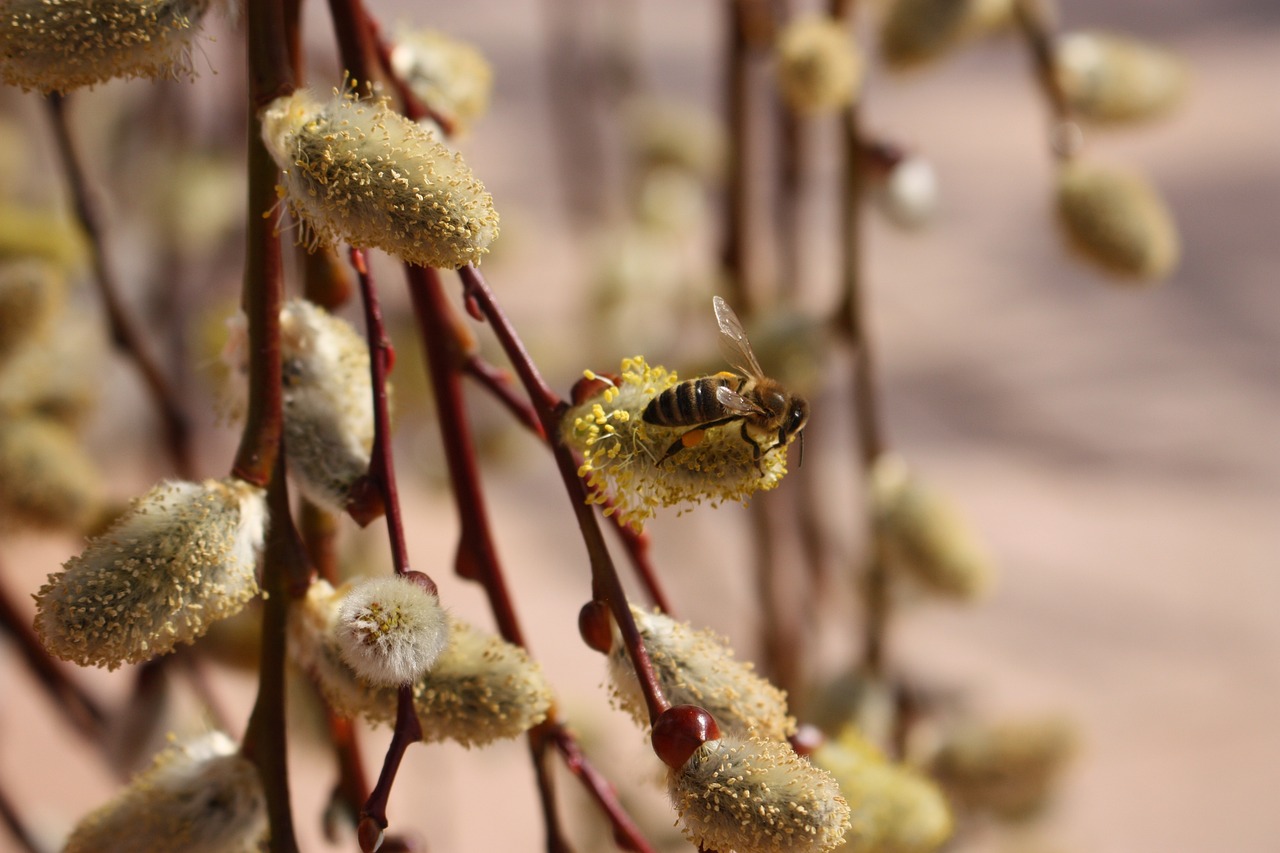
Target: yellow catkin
[819, 68]
[1007, 768]
[357, 172]
[31, 292]
[620, 452]
[698, 668]
[451, 77]
[1117, 221]
[181, 558]
[46, 478]
[757, 796]
[480, 689]
[916, 32]
[27, 232]
[328, 402]
[1110, 78]
[201, 796]
[893, 808]
[923, 536]
[57, 45]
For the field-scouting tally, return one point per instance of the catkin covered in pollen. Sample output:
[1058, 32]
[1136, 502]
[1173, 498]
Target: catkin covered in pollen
[180, 559]
[57, 45]
[621, 451]
[357, 172]
[1116, 220]
[201, 796]
[757, 796]
[698, 668]
[480, 689]
[328, 401]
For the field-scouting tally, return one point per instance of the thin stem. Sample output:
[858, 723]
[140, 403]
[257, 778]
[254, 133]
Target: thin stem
[80, 710]
[605, 584]
[381, 465]
[408, 731]
[625, 832]
[125, 334]
[737, 221]
[498, 383]
[556, 842]
[352, 787]
[1035, 23]
[265, 740]
[355, 41]
[447, 353]
[477, 556]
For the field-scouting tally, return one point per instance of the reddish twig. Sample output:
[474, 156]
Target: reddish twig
[408, 731]
[265, 739]
[498, 383]
[447, 353]
[124, 332]
[381, 465]
[605, 584]
[625, 832]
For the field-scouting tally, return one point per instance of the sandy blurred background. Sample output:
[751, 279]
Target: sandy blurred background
[1118, 450]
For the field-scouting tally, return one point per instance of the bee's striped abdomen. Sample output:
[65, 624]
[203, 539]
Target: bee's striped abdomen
[690, 403]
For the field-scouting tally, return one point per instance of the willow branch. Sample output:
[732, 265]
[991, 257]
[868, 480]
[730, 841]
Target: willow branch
[265, 740]
[605, 583]
[125, 334]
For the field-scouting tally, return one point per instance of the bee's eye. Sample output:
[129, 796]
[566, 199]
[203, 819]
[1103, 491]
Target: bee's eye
[799, 414]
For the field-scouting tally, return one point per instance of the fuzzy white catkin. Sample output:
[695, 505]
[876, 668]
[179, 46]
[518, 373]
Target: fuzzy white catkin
[180, 559]
[698, 668]
[357, 172]
[450, 76]
[328, 402]
[198, 797]
[479, 690]
[908, 197]
[755, 796]
[58, 45]
[391, 630]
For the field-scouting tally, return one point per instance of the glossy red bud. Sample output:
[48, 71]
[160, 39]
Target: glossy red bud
[679, 731]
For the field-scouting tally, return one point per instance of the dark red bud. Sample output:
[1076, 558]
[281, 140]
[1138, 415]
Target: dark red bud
[421, 580]
[595, 626]
[585, 389]
[679, 731]
[369, 835]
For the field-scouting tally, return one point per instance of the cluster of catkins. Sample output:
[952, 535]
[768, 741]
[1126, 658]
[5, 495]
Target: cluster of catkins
[744, 787]
[1112, 217]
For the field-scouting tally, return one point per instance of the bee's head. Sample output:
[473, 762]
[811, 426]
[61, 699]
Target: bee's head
[797, 416]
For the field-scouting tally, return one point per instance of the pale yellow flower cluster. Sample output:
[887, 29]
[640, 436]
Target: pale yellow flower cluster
[623, 455]
[358, 172]
[57, 46]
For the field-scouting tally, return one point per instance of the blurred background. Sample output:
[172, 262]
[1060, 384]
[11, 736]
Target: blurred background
[1117, 448]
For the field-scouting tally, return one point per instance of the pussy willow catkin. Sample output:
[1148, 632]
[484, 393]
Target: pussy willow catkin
[357, 172]
[57, 45]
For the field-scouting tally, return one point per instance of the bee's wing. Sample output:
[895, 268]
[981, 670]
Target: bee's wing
[733, 341]
[735, 402]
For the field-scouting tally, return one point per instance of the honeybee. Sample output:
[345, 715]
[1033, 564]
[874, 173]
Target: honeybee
[765, 408]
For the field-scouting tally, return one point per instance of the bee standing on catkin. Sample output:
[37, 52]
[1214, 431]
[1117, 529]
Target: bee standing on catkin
[768, 412]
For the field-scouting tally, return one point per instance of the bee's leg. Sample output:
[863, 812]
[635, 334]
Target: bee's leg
[691, 438]
[757, 453]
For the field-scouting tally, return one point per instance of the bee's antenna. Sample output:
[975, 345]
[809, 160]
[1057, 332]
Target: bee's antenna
[800, 464]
